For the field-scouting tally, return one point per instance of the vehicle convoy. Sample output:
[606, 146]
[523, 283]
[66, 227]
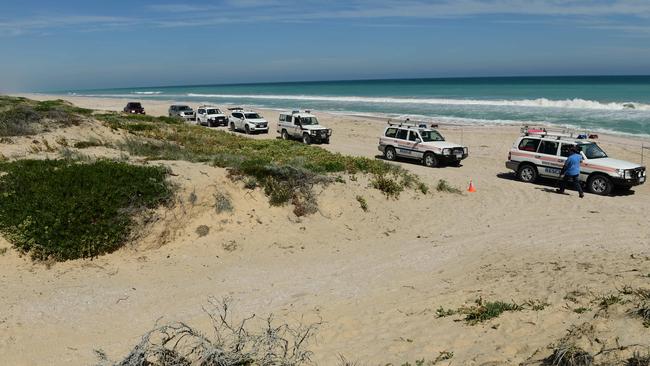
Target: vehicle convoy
[134, 108]
[183, 111]
[538, 153]
[210, 116]
[415, 140]
[304, 126]
[247, 121]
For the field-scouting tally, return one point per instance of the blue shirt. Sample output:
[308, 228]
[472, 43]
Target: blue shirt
[572, 164]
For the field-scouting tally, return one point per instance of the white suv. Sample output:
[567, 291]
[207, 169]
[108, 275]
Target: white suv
[247, 121]
[538, 153]
[304, 126]
[210, 116]
[417, 141]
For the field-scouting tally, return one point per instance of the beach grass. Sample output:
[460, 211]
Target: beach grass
[22, 117]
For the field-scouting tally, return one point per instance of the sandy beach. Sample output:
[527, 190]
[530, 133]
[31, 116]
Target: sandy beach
[375, 279]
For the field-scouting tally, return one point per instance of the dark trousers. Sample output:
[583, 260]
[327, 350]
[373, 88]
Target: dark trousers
[571, 178]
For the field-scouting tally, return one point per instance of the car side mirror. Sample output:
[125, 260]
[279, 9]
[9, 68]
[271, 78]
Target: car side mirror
[417, 140]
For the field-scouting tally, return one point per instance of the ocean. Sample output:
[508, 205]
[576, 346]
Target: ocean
[619, 104]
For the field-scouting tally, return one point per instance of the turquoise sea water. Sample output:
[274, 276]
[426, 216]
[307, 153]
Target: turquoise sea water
[595, 103]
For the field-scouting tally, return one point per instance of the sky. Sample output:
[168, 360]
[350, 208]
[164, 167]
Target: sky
[50, 45]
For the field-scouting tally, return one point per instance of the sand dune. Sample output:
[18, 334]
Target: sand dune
[375, 278]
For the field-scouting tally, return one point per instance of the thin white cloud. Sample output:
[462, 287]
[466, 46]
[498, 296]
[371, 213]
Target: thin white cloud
[626, 16]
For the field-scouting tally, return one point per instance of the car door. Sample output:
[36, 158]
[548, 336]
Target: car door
[414, 142]
[200, 115]
[296, 128]
[549, 161]
[403, 146]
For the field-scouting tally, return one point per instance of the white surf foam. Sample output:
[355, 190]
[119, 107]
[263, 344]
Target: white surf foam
[147, 92]
[540, 102]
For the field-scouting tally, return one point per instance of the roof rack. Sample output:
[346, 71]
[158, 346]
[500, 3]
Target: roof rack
[547, 131]
[296, 111]
[236, 109]
[414, 124]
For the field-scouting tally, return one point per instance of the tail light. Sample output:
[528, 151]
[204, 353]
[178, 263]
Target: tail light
[509, 155]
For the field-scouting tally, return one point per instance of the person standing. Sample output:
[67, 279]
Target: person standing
[571, 171]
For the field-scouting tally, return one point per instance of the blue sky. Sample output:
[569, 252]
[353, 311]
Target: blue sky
[60, 45]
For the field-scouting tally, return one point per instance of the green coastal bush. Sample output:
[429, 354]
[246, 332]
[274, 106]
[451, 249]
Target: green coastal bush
[61, 210]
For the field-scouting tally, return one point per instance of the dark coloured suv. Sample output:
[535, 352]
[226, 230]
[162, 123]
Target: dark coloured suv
[134, 108]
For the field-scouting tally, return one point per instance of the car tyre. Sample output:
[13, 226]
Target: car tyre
[389, 153]
[284, 135]
[600, 184]
[430, 160]
[232, 126]
[247, 129]
[326, 141]
[306, 139]
[527, 173]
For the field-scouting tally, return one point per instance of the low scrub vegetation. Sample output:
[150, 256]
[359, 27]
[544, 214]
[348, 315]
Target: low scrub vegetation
[568, 354]
[285, 170]
[22, 116]
[61, 209]
[444, 186]
[482, 310]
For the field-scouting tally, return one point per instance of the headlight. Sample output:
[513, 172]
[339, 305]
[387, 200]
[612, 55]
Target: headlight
[446, 151]
[620, 172]
[628, 174]
[312, 132]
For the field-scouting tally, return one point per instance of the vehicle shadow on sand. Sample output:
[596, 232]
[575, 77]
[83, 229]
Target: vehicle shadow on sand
[550, 185]
[416, 162]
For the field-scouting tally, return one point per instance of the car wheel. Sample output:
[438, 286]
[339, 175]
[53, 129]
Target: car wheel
[306, 139]
[430, 160]
[247, 129]
[232, 126]
[326, 141]
[527, 173]
[389, 153]
[284, 135]
[600, 184]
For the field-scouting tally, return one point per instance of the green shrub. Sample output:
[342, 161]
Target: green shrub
[444, 186]
[387, 185]
[362, 203]
[483, 311]
[65, 210]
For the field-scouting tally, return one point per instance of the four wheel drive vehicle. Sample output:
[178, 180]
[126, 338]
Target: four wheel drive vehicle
[183, 111]
[210, 116]
[134, 108]
[302, 125]
[538, 153]
[417, 141]
[247, 121]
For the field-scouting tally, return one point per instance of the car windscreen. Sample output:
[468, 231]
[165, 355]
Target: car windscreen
[214, 111]
[184, 108]
[134, 105]
[306, 121]
[430, 135]
[592, 151]
[253, 116]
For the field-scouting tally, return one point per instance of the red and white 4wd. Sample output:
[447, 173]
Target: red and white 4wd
[416, 141]
[538, 153]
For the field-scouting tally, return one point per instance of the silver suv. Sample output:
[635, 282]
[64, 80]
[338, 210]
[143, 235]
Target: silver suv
[183, 111]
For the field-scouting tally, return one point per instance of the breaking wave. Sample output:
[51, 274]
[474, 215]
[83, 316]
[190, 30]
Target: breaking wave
[540, 102]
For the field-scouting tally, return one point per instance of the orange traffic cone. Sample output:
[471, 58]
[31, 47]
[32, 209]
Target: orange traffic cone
[471, 187]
